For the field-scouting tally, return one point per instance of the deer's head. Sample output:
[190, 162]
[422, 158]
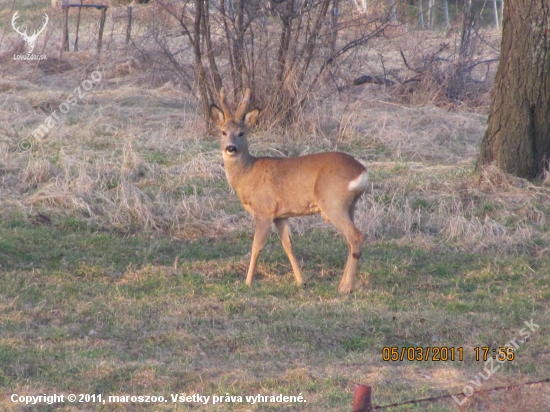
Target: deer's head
[30, 40]
[234, 127]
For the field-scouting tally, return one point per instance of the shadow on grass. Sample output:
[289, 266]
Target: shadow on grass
[25, 246]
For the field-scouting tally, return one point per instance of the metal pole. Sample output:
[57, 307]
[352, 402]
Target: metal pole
[361, 398]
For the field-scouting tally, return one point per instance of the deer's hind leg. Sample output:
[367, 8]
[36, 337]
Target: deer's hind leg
[341, 216]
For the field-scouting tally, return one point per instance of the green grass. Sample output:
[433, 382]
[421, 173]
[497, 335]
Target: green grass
[92, 311]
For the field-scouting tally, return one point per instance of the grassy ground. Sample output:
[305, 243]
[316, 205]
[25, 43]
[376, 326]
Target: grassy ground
[123, 252]
[88, 311]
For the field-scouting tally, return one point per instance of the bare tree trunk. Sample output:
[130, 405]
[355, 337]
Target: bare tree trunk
[284, 43]
[238, 52]
[393, 6]
[470, 19]
[517, 139]
[431, 14]
[209, 49]
[202, 81]
[495, 10]
[420, 14]
[335, 12]
[446, 13]
[230, 46]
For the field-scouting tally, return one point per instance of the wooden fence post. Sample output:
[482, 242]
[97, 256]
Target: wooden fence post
[65, 36]
[101, 27]
[77, 28]
[129, 26]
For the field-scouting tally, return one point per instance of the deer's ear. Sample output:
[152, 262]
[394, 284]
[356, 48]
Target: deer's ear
[217, 115]
[251, 118]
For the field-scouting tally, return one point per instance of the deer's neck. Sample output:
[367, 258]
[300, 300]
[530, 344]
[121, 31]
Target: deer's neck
[236, 168]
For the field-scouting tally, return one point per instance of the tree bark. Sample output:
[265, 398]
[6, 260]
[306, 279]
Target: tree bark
[431, 14]
[230, 45]
[446, 13]
[335, 13]
[495, 11]
[209, 49]
[238, 45]
[420, 15]
[286, 22]
[517, 139]
[201, 72]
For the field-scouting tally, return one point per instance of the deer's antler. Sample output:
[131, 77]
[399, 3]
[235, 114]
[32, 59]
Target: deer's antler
[225, 107]
[243, 107]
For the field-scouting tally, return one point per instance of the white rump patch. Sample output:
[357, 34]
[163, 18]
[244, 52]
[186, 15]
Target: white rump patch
[359, 183]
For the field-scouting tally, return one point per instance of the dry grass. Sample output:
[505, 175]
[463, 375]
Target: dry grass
[131, 158]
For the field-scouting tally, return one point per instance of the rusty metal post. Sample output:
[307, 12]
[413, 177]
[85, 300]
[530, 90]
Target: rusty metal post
[101, 27]
[361, 398]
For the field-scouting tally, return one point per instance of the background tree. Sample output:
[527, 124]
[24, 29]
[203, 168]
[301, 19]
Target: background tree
[517, 139]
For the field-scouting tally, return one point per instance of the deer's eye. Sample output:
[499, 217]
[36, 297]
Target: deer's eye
[241, 134]
[224, 132]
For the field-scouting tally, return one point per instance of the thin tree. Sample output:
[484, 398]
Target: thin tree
[446, 14]
[495, 11]
[431, 14]
[517, 139]
[420, 14]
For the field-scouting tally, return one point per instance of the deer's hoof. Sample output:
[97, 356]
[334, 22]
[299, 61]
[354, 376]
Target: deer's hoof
[344, 289]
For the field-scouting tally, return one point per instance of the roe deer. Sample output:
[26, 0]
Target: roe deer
[272, 189]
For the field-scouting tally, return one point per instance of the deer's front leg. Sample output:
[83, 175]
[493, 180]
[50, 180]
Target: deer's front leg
[260, 236]
[284, 232]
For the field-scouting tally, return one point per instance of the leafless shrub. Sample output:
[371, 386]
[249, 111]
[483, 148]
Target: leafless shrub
[442, 76]
[281, 51]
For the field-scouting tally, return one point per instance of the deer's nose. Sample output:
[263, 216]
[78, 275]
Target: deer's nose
[231, 149]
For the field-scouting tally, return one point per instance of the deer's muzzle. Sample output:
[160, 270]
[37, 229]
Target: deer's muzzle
[231, 149]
